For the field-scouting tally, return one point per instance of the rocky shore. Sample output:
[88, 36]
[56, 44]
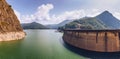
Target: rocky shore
[12, 36]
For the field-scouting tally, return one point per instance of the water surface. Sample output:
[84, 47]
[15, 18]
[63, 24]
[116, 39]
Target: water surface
[38, 44]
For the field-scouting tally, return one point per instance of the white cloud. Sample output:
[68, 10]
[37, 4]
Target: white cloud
[24, 18]
[43, 12]
[68, 15]
[27, 18]
[92, 12]
[42, 15]
[17, 14]
[117, 15]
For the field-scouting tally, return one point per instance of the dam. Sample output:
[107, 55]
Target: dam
[107, 40]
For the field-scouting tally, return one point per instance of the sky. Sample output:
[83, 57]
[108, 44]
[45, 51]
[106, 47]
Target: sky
[56, 11]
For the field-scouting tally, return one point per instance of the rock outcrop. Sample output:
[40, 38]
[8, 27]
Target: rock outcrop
[10, 28]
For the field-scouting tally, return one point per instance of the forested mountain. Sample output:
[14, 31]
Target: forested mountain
[104, 20]
[33, 25]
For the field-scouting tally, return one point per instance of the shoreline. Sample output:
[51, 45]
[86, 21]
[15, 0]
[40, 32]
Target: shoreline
[9, 36]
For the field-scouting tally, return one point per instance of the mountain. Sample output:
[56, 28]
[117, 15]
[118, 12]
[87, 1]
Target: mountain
[33, 25]
[56, 26]
[104, 20]
[86, 23]
[10, 28]
[107, 18]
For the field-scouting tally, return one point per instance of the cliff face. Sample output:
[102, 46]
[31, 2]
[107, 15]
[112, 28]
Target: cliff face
[9, 23]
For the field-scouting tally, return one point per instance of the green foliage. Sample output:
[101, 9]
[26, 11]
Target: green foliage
[86, 23]
[33, 25]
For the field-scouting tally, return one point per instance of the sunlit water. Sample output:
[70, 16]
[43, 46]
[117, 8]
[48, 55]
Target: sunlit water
[38, 44]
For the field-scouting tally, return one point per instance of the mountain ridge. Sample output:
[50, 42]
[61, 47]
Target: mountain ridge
[33, 25]
[105, 20]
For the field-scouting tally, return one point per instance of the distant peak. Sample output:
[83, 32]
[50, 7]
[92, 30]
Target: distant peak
[106, 12]
[34, 23]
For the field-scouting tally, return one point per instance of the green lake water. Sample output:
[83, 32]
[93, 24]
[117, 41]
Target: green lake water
[47, 44]
[38, 44]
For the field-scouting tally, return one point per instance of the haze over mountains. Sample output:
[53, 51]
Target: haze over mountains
[56, 26]
[104, 20]
[33, 25]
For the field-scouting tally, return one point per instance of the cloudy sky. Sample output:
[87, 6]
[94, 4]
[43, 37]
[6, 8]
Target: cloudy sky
[56, 11]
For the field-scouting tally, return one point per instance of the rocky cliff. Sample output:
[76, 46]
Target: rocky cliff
[10, 28]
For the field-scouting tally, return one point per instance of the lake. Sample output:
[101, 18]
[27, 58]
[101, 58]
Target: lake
[46, 44]
[38, 44]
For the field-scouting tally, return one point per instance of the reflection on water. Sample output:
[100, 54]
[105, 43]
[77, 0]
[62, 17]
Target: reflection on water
[91, 54]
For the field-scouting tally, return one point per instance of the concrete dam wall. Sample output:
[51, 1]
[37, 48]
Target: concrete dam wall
[94, 40]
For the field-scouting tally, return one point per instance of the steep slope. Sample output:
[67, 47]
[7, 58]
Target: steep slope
[86, 23]
[107, 18]
[10, 28]
[33, 25]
